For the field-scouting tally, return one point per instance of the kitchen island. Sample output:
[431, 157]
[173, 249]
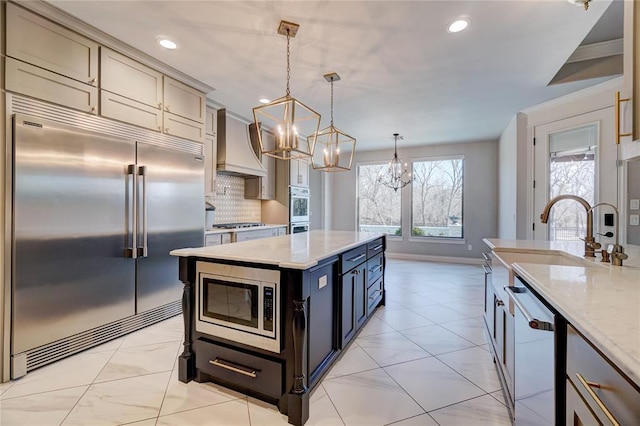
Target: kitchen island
[598, 354]
[269, 317]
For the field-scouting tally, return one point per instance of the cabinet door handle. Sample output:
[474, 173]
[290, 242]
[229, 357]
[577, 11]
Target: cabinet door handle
[377, 267]
[160, 105]
[236, 368]
[499, 302]
[166, 108]
[588, 387]
[486, 269]
[533, 322]
[356, 272]
[166, 130]
[355, 259]
[376, 248]
[93, 80]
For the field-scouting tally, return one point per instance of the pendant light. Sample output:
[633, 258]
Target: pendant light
[396, 176]
[333, 149]
[293, 123]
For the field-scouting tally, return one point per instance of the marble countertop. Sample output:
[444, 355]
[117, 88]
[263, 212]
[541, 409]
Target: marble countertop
[252, 228]
[293, 251]
[600, 300]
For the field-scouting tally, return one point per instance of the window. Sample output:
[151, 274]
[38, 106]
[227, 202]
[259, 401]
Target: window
[571, 171]
[379, 207]
[437, 197]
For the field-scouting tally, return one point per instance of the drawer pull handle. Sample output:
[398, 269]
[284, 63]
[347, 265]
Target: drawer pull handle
[487, 271]
[375, 295]
[486, 257]
[588, 387]
[376, 248]
[355, 259]
[233, 367]
[376, 268]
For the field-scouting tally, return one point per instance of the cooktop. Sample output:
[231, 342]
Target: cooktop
[237, 225]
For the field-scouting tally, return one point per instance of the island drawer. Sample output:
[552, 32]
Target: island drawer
[374, 268]
[249, 371]
[375, 247]
[353, 258]
[607, 391]
[374, 294]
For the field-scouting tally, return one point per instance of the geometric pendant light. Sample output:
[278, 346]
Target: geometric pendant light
[333, 150]
[293, 124]
[396, 176]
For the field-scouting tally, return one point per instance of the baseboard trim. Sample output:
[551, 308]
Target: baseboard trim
[431, 258]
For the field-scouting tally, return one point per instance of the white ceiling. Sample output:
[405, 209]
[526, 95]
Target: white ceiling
[401, 71]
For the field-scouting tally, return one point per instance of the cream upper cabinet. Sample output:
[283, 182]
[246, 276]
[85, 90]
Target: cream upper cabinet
[630, 112]
[126, 77]
[299, 172]
[210, 152]
[42, 43]
[183, 100]
[262, 188]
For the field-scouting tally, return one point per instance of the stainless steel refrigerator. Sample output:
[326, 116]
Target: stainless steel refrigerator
[94, 219]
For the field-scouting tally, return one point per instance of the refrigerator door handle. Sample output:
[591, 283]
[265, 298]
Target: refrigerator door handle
[142, 250]
[132, 219]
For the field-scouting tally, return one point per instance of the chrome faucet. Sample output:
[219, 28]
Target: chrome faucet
[590, 245]
[615, 250]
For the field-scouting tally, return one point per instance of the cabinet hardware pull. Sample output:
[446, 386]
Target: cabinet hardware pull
[355, 259]
[93, 109]
[166, 130]
[486, 257]
[234, 367]
[533, 323]
[356, 272]
[376, 248]
[166, 108]
[588, 387]
[499, 302]
[160, 105]
[618, 134]
[378, 267]
[486, 270]
[93, 80]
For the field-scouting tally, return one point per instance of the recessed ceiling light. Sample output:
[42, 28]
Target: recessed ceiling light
[458, 25]
[167, 44]
[264, 100]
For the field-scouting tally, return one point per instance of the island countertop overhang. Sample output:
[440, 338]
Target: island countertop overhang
[293, 251]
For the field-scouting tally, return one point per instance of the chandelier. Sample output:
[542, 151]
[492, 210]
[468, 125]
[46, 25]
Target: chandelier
[583, 3]
[397, 176]
[333, 149]
[287, 118]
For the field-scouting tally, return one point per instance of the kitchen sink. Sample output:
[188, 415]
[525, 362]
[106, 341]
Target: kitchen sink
[545, 258]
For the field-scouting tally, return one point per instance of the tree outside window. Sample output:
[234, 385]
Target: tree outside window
[436, 198]
[379, 207]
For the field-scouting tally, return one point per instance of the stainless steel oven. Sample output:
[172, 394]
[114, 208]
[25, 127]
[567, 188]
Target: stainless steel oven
[240, 304]
[298, 204]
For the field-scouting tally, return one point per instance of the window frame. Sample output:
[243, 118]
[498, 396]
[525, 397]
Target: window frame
[431, 238]
[383, 163]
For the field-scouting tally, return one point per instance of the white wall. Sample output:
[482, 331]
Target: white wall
[480, 202]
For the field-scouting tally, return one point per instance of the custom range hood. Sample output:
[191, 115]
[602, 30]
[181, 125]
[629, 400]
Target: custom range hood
[235, 155]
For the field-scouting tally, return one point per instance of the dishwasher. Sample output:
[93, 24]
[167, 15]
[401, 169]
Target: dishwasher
[540, 349]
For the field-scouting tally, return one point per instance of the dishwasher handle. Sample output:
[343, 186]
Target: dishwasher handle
[534, 323]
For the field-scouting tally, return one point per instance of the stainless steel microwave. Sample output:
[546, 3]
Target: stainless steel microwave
[240, 304]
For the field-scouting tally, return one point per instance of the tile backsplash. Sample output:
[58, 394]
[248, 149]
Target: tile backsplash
[230, 203]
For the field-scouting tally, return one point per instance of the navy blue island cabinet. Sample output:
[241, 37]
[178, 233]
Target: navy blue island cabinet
[269, 317]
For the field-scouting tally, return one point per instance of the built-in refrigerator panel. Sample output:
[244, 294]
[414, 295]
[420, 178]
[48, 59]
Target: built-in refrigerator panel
[170, 188]
[72, 223]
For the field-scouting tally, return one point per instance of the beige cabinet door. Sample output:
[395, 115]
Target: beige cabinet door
[129, 111]
[210, 155]
[185, 101]
[183, 128]
[131, 79]
[211, 121]
[299, 172]
[42, 84]
[39, 42]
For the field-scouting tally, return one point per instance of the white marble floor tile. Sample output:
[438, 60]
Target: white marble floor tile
[432, 384]
[482, 411]
[353, 360]
[139, 360]
[439, 313]
[409, 299]
[375, 326]
[421, 420]
[120, 401]
[49, 408]
[77, 370]
[437, 340]
[234, 413]
[499, 396]
[439, 295]
[5, 386]
[187, 396]
[467, 307]
[403, 319]
[470, 329]
[476, 365]
[157, 333]
[148, 422]
[391, 348]
[264, 414]
[370, 398]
